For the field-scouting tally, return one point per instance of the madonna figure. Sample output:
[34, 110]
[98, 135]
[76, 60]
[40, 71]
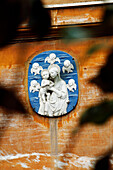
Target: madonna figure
[57, 103]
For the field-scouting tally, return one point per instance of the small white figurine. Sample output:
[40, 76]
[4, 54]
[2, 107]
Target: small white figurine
[36, 68]
[45, 84]
[52, 58]
[35, 86]
[71, 85]
[67, 66]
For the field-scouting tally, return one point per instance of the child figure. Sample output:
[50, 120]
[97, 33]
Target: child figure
[44, 86]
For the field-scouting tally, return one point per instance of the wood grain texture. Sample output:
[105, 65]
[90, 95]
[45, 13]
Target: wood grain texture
[67, 16]
[25, 142]
[77, 15]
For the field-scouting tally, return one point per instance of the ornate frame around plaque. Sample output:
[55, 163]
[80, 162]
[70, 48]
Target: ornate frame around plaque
[52, 83]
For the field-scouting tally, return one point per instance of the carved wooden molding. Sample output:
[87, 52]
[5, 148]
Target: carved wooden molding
[68, 16]
[73, 3]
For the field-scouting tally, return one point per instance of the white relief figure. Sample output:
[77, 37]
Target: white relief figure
[71, 85]
[44, 85]
[36, 69]
[58, 100]
[67, 67]
[52, 58]
[44, 95]
[34, 86]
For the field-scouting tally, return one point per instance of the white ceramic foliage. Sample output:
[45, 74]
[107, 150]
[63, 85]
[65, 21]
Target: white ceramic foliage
[71, 85]
[36, 69]
[68, 67]
[52, 59]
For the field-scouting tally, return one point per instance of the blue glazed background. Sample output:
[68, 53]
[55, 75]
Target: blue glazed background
[73, 96]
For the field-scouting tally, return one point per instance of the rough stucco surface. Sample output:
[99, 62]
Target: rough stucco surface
[25, 141]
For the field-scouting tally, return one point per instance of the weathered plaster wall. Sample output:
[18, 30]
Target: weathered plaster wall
[25, 140]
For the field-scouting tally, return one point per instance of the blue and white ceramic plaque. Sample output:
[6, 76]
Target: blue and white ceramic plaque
[53, 83]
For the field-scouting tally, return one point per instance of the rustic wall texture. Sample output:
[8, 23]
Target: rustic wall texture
[28, 141]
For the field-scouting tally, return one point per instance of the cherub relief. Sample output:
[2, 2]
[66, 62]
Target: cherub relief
[36, 69]
[52, 59]
[67, 67]
[34, 86]
[71, 85]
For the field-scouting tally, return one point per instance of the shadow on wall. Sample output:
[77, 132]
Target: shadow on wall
[12, 14]
[11, 104]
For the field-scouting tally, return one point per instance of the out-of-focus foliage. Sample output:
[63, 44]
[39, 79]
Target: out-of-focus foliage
[104, 162]
[14, 12]
[108, 16]
[87, 32]
[104, 78]
[40, 21]
[95, 48]
[98, 114]
[10, 101]
[9, 20]
[11, 105]
[76, 34]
